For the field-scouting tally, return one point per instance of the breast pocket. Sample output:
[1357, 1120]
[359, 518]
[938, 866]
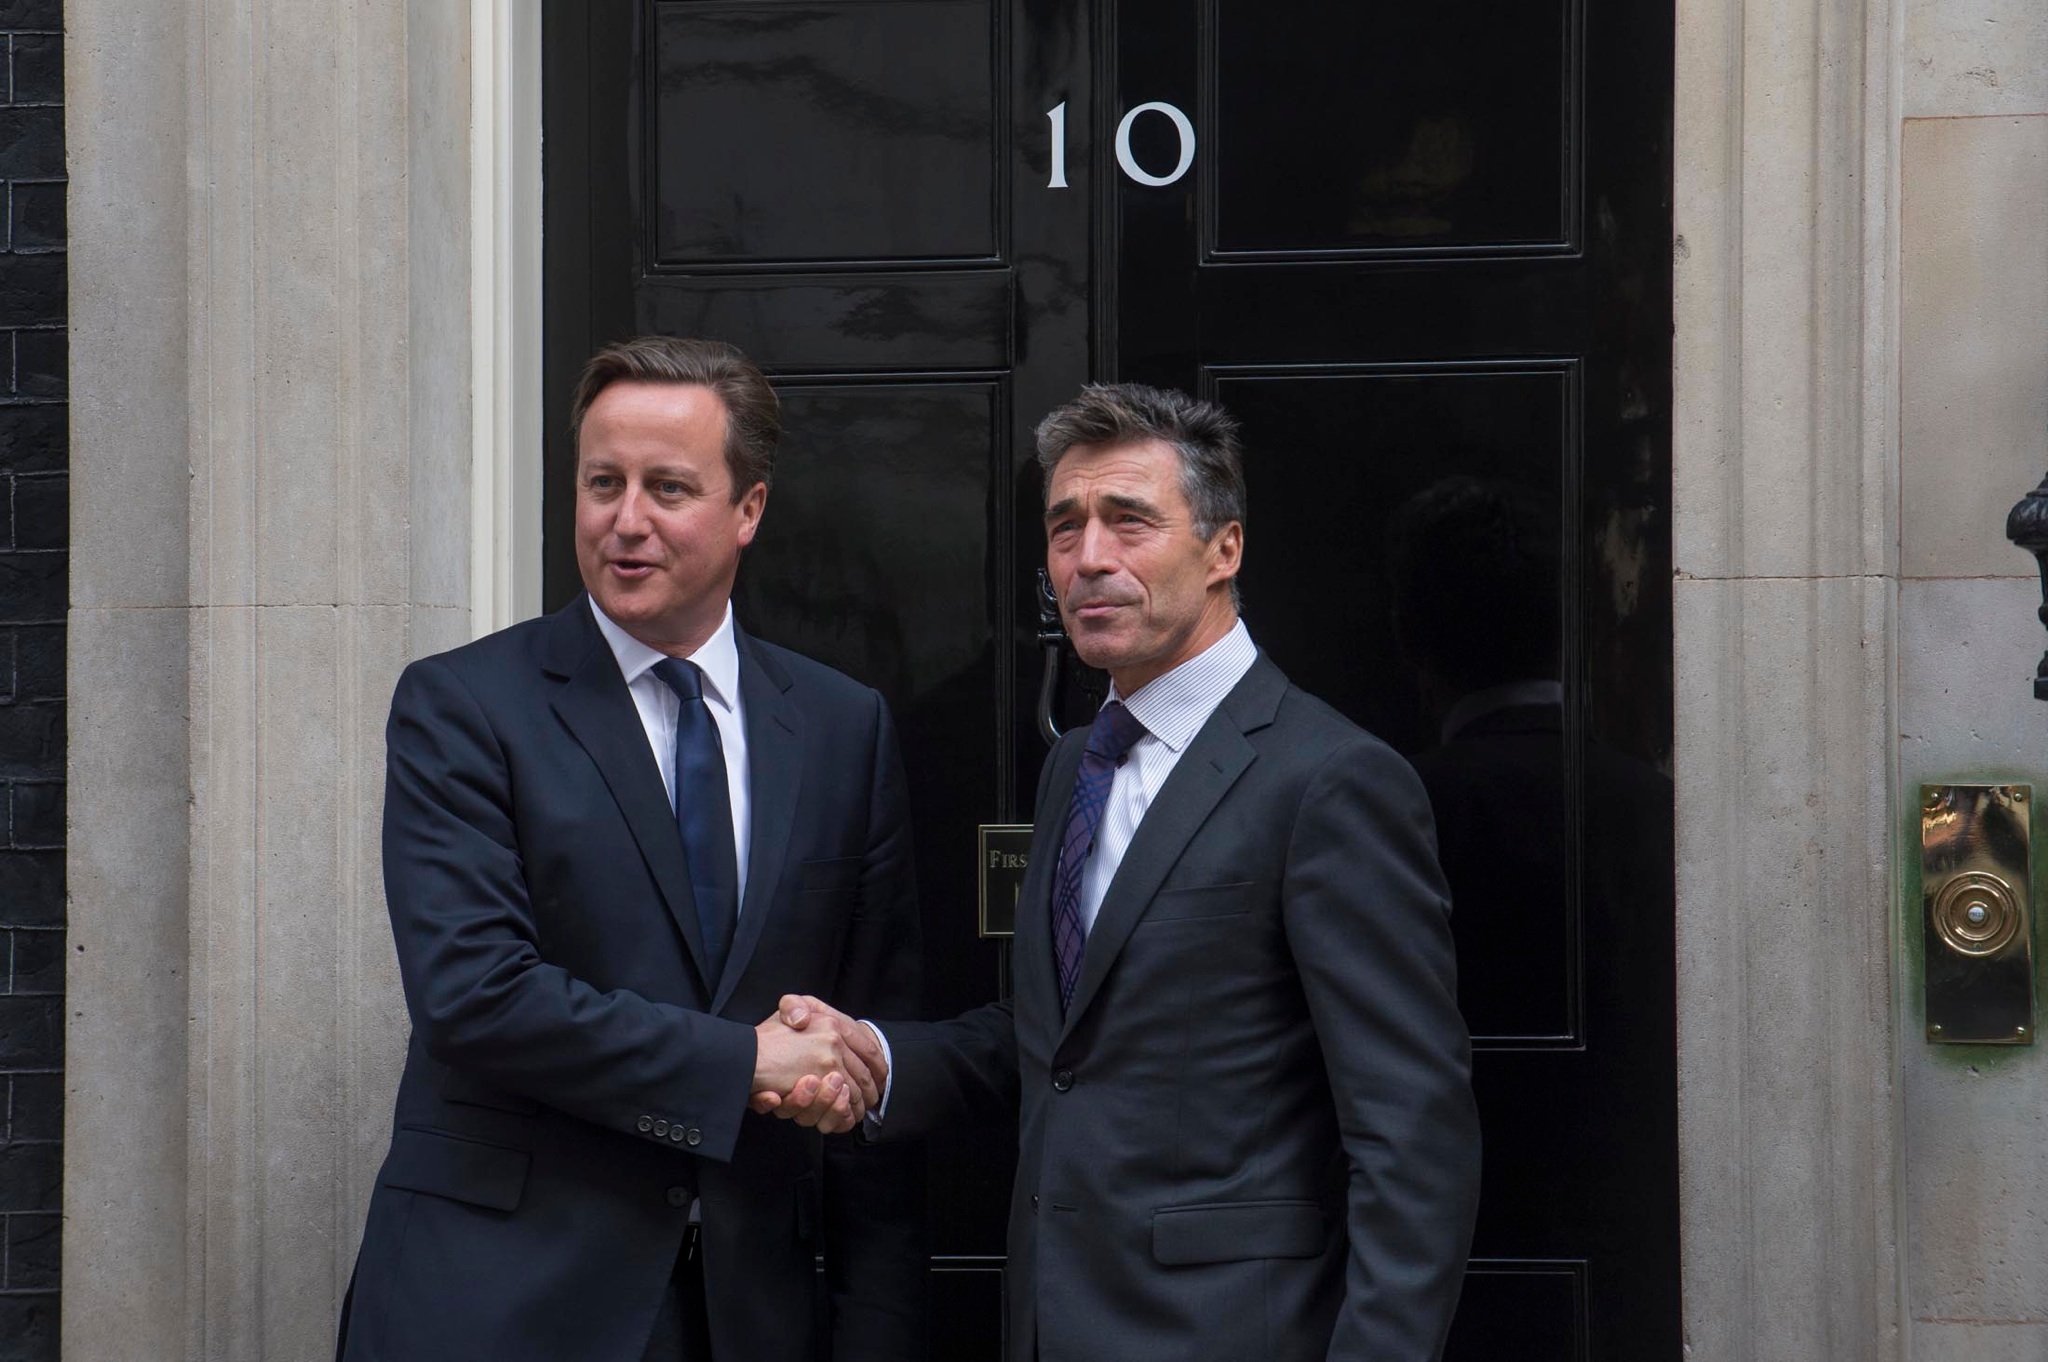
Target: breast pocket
[837, 875]
[1188, 903]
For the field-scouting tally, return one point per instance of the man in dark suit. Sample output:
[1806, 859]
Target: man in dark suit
[612, 837]
[1247, 1128]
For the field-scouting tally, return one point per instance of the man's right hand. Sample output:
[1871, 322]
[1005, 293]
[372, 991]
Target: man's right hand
[835, 1072]
[815, 1099]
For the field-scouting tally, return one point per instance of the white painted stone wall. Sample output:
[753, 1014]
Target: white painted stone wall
[271, 341]
[1973, 326]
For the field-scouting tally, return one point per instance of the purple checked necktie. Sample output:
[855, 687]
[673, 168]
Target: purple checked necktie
[1109, 738]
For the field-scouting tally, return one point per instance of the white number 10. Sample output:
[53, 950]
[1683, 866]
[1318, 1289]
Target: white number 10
[1057, 116]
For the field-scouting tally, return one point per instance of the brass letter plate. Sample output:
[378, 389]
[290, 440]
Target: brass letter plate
[1005, 855]
[1976, 887]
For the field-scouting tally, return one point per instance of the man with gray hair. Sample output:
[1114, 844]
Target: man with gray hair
[1247, 1126]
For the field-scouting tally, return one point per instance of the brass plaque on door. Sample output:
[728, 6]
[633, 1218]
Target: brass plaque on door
[1976, 888]
[1005, 856]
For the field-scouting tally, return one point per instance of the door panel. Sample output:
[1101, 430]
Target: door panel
[1422, 253]
[800, 149]
[880, 497]
[1336, 450]
[1406, 128]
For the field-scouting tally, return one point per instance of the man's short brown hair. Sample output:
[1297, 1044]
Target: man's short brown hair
[753, 415]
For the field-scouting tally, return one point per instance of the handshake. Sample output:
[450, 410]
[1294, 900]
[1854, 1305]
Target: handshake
[817, 1066]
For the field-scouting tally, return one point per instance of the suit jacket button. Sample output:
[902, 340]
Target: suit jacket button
[678, 1197]
[693, 1137]
[660, 1129]
[645, 1124]
[675, 1134]
[1062, 1079]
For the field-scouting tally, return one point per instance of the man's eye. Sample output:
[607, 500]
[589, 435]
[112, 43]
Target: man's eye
[670, 489]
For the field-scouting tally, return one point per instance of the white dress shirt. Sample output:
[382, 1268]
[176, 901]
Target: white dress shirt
[719, 659]
[1173, 707]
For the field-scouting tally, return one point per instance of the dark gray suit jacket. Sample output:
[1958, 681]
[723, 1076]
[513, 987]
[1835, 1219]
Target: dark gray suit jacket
[1252, 1138]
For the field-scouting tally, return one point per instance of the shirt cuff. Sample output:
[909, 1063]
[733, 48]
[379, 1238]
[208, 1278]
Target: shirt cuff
[873, 1120]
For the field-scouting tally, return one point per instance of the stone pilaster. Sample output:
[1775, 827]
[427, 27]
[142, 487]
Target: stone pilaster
[1784, 491]
[270, 215]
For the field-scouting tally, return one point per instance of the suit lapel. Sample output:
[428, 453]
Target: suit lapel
[599, 712]
[1216, 757]
[775, 758]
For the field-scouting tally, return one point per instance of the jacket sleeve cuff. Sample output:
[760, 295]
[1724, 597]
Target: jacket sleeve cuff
[705, 1118]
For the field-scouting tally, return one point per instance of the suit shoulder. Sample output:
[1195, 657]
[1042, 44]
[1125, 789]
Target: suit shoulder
[490, 654]
[1308, 719]
[1323, 737]
[489, 670]
[818, 682]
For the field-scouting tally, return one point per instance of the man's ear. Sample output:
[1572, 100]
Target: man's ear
[1226, 553]
[751, 507]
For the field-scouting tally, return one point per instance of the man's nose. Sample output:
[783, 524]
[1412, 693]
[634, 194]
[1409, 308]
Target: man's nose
[631, 521]
[1097, 551]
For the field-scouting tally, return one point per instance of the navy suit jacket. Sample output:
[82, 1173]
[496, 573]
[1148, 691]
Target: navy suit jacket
[1251, 1135]
[574, 1076]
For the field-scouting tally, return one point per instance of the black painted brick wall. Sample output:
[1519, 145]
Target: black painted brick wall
[34, 524]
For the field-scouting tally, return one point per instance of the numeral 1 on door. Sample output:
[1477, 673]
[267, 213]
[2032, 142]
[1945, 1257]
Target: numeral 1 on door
[1057, 115]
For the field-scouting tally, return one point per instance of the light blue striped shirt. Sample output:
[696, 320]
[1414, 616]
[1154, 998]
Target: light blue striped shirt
[1173, 707]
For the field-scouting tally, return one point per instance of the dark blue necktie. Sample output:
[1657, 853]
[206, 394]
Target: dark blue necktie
[1109, 738]
[704, 812]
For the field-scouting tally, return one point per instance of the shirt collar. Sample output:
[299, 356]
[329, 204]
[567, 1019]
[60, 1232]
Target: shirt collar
[719, 658]
[1174, 705]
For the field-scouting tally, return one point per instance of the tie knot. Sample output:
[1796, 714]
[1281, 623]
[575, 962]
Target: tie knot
[684, 678]
[1114, 730]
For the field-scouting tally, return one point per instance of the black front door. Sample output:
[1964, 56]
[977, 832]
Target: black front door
[1421, 252]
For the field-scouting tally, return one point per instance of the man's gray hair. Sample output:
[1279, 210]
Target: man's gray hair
[1201, 433]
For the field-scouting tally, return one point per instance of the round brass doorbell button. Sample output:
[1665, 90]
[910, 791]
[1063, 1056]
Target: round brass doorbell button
[1977, 913]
